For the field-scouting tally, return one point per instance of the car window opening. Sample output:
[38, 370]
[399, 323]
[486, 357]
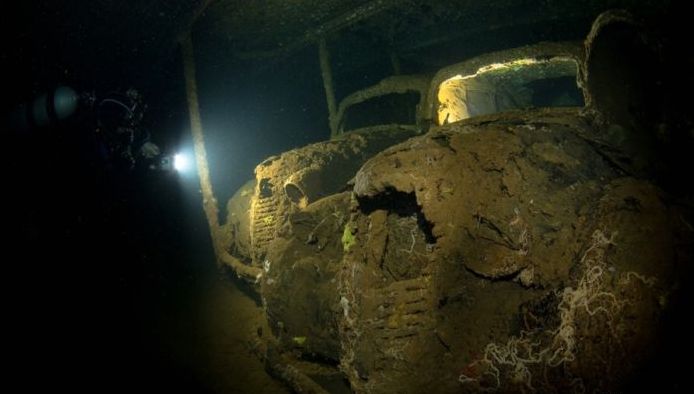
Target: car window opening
[522, 83]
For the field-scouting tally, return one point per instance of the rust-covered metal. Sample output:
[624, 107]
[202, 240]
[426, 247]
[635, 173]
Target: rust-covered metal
[279, 28]
[545, 50]
[294, 179]
[327, 75]
[209, 202]
[390, 85]
[521, 251]
[497, 245]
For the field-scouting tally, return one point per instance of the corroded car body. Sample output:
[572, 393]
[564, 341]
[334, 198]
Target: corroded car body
[502, 248]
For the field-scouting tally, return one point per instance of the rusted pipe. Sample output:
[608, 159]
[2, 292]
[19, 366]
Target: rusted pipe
[209, 202]
[327, 74]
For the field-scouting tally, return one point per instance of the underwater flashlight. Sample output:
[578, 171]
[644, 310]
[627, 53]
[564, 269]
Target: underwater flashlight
[181, 162]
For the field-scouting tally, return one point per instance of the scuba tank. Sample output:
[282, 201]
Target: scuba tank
[45, 110]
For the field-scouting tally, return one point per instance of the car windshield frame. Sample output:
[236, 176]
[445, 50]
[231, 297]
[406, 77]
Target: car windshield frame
[530, 56]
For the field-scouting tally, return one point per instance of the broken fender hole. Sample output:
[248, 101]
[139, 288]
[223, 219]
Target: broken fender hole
[400, 203]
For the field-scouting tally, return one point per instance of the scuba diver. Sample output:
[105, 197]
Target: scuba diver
[120, 139]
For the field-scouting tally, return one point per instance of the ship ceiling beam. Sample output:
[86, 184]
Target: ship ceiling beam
[335, 25]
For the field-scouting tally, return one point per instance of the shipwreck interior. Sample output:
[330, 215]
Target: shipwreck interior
[349, 196]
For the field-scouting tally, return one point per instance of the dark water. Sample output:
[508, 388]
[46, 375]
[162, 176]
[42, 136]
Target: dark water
[122, 292]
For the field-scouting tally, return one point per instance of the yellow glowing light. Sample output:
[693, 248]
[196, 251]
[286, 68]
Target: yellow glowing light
[463, 96]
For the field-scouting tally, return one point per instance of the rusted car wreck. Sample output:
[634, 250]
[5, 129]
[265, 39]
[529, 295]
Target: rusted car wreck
[502, 240]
